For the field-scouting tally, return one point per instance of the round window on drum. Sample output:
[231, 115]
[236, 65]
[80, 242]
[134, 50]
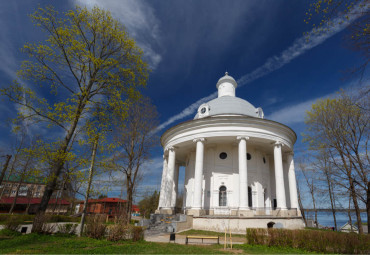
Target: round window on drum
[223, 155]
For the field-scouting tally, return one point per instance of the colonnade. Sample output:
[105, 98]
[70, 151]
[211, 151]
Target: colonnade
[169, 184]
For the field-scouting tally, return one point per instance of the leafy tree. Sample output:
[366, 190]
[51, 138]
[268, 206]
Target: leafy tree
[149, 204]
[87, 59]
[340, 126]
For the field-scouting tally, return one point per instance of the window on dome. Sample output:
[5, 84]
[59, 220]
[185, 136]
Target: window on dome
[264, 160]
[223, 155]
[249, 156]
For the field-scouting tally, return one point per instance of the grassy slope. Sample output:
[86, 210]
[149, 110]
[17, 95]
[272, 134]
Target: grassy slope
[34, 243]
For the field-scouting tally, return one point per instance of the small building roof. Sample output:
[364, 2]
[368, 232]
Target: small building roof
[106, 200]
[25, 200]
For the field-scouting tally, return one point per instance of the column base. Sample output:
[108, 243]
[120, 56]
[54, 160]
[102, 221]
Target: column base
[196, 212]
[245, 213]
[285, 213]
[165, 211]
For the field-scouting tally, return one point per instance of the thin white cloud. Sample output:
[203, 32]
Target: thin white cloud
[293, 113]
[186, 112]
[299, 47]
[305, 43]
[139, 19]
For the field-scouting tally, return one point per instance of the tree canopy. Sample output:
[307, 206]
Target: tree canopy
[87, 60]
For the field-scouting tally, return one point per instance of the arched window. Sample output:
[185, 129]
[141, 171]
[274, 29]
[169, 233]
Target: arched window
[222, 196]
[250, 196]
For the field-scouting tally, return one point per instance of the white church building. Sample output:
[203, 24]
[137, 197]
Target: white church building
[238, 166]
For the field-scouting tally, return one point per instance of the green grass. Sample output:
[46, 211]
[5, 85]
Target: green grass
[208, 233]
[34, 243]
[57, 244]
[261, 249]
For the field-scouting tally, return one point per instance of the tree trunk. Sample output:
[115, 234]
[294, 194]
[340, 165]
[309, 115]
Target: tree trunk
[301, 206]
[355, 204]
[368, 207]
[331, 196]
[57, 169]
[349, 213]
[8, 157]
[88, 186]
[314, 207]
[15, 197]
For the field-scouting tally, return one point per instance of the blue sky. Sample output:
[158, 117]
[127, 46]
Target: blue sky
[189, 46]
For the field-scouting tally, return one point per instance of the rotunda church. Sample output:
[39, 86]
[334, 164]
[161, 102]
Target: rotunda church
[238, 166]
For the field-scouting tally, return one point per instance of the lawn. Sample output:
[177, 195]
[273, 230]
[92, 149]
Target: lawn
[57, 244]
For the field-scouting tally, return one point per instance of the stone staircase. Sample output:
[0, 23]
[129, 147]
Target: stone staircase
[159, 224]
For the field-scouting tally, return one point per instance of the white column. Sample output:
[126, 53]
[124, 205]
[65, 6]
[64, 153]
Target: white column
[161, 203]
[243, 183]
[170, 177]
[279, 177]
[175, 186]
[292, 183]
[198, 176]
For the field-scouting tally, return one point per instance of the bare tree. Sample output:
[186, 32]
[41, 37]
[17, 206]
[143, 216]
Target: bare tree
[327, 186]
[301, 204]
[341, 126]
[135, 138]
[309, 175]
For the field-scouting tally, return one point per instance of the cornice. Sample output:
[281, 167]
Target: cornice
[230, 121]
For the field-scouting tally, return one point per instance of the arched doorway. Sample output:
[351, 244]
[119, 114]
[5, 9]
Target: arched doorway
[222, 196]
[270, 224]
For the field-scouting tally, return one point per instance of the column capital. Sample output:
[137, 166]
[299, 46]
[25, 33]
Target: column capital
[242, 138]
[278, 143]
[199, 140]
[171, 148]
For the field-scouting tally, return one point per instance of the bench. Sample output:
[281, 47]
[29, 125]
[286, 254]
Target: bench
[202, 237]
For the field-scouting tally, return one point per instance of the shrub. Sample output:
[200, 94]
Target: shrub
[95, 226]
[13, 222]
[64, 218]
[9, 233]
[21, 217]
[41, 223]
[118, 232]
[311, 240]
[67, 229]
[137, 233]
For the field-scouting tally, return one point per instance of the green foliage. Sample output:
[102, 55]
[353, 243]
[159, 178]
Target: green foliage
[12, 223]
[9, 233]
[22, 217]
[149, 204]
[310, 240]
[92, 70]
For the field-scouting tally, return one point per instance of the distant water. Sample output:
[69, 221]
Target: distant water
[326, 218]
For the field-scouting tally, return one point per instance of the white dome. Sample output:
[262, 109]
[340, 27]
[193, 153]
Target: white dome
[227, 103]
